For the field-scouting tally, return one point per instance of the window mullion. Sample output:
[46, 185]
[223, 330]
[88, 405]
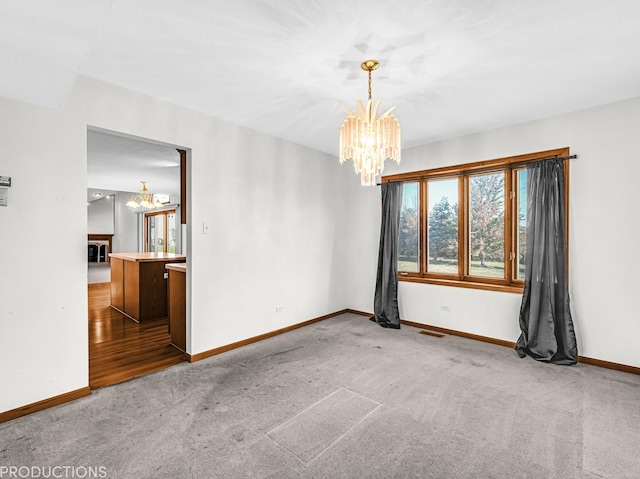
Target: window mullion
[463, 249]
[509, 198]
[424, 228]
[166, 230]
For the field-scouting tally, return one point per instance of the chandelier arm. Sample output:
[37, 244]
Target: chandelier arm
[388, 112]
[375, 109]
[361, 109]
[143, 199]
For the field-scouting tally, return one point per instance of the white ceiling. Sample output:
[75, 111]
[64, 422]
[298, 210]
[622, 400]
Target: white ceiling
[290, 67]
[117, 163]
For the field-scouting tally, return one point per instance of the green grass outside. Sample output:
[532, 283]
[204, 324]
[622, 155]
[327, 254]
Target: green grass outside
[491, 269]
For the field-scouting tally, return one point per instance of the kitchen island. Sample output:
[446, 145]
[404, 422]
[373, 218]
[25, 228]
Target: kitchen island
[139, 285]
[178, 305]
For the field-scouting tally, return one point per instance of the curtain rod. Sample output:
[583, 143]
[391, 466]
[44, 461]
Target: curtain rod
[486, 170]
[563, 158]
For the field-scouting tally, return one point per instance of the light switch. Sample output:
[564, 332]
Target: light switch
[206, 229]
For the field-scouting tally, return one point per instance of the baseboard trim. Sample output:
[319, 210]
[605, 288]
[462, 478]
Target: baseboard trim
[222, 349]
[510, 344]
[609, 365]
[44, 404]
[360, 313]
[453, 332]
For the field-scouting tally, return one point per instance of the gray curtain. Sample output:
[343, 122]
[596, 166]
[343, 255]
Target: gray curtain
[545, 317]
[385, 304]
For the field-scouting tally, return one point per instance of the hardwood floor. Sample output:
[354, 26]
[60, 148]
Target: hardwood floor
[121, 349]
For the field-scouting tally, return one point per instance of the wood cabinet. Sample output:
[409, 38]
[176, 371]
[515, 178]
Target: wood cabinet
[138, 285]
[117, 283]
[178, 305]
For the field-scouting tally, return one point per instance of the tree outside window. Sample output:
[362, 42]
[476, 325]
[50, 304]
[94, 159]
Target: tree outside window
[486, 225]
[466, 225]
[408, 234]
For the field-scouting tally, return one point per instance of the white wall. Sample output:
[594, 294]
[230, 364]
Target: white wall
[603, 232]
[43, 255]
[277, 212]
[100, 216]
[125, 239]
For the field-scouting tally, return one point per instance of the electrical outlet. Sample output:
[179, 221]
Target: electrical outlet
[445, 308]
[279, 309]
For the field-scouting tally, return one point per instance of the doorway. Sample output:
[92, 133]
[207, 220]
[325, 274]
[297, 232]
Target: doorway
[120, 348]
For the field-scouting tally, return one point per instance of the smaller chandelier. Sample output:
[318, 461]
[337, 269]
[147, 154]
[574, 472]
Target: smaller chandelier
[144, 199]
[368, 140]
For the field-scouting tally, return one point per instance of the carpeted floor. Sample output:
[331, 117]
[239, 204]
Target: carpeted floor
[344, 398]
[98, 273]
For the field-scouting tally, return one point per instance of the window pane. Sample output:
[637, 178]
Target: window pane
[521, 240]
[443, 226]
[171, 232]
[155, 233]
[160, 233]
[151, 233]
[486, 225]
[408, 237]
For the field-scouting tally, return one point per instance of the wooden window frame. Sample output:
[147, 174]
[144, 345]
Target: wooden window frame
[165, 231]
[510, 166]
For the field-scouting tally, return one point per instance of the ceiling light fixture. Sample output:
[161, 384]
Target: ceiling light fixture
[144, 199]
[368, 140]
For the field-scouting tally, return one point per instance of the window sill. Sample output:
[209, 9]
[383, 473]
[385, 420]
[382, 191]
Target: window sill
[463, 284]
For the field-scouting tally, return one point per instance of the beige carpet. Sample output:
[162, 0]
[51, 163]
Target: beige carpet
[309, 433]
[98, 273]
[344, 398]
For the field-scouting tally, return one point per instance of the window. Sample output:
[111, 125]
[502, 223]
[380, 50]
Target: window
[160, 231]
[442, 229]
[487, 225]
[408, 235]
[466, 225]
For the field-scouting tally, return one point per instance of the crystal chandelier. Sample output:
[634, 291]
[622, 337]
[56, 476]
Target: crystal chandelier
[144, 199]
[368, 140]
